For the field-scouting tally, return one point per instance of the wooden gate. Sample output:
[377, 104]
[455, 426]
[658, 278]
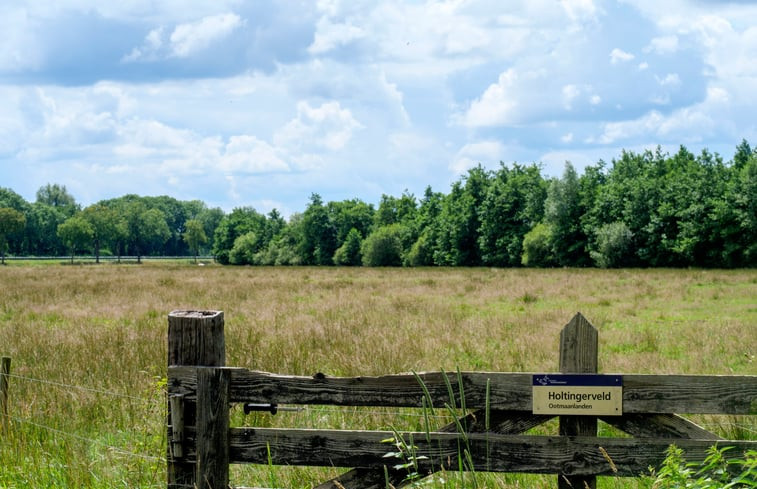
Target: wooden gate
[497, 409]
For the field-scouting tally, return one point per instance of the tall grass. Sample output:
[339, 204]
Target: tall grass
[102, 329]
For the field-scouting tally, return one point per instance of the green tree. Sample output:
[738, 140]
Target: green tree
[244, 249]
[42, 221]
[11, 222]
[425, 228]
[383, 247]
[563, 212]
[537, 247]
[350, 214]
[76, 232]
[614, 243]
[514, 203]
[241, 220]
[318, 234]
[146, 228]
[459, 221]
[195, 236]
[349, 253]
[210, 219]
[104, 224]
[284, 247]
[57, 196]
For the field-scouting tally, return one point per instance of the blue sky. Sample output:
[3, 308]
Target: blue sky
[261, 103]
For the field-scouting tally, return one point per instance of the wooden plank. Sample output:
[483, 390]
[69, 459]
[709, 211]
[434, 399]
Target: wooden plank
[176, 436]
[212, 439]
[659, 426]
[642, 393]
[496, 453]
[194, 338]
[579, 349]
[502, 422]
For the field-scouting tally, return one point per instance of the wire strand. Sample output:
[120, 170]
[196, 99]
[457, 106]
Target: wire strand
[120, 451]
[80, 388]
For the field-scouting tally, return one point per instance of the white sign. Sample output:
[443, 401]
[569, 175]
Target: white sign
[578, 394]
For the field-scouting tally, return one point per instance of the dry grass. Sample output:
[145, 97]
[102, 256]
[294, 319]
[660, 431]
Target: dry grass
[104, 327]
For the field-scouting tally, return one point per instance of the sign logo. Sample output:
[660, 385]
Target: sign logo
[578, 394]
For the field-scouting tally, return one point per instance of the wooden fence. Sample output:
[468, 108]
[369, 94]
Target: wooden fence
[497, 409]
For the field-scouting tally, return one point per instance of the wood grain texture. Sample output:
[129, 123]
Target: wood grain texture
[642, 394]
[212, 440]
[579, 352]
[194, 338]
[659, 426]
[575, 456]
[502, 422]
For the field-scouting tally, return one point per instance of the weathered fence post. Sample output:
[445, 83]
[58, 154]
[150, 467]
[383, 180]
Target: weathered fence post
[196, 338]
[578, 355]
[5, 370]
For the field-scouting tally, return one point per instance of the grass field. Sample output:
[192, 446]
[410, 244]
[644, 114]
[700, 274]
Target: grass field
[88, 345]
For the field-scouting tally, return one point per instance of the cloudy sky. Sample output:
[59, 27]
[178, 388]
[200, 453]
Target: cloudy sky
[262, 103]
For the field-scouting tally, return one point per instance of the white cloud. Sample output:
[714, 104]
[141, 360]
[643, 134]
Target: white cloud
[471, 154]
[329, 36]
[595, 100]
[579, 10]
[618, 55]
[185, 39]
[670, 80]
[643, 66]
[569, 94]
[150, 47]
[191, 37]
[328, 126]
[663, 45]
[497, 105]
[248, 154]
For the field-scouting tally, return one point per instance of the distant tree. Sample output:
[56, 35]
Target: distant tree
[241, 220]
[11, 222]
[42, 221]
[562, 212]
[195, 236]
[104, 224]
[349, 253]
[614, 243]
[210, 219]
[76, 233]
[383, 247]
[9, 198]
[393, 210]
[743, 153]
[145, 227]
[537, 247]
[284, 247]
[57, 196]
[350, 214]
[426, 228]
[244, 249]
[318, 234]
[459, 222]
[514, 203]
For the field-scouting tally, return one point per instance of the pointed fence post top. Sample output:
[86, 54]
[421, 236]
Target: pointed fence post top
[579, 346]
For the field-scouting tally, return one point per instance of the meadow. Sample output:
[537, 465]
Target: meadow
[88, 346]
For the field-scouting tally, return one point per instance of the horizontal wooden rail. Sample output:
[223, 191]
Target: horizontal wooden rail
[647, 394]
[489, 452]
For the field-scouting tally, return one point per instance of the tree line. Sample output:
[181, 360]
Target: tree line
[647, 209]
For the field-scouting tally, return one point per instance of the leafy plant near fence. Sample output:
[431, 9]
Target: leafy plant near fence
[714, 473]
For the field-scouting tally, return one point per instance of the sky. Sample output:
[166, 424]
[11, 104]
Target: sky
[263, 103]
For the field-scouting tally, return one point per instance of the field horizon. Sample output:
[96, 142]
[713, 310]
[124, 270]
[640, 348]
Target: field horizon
[88, 345]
